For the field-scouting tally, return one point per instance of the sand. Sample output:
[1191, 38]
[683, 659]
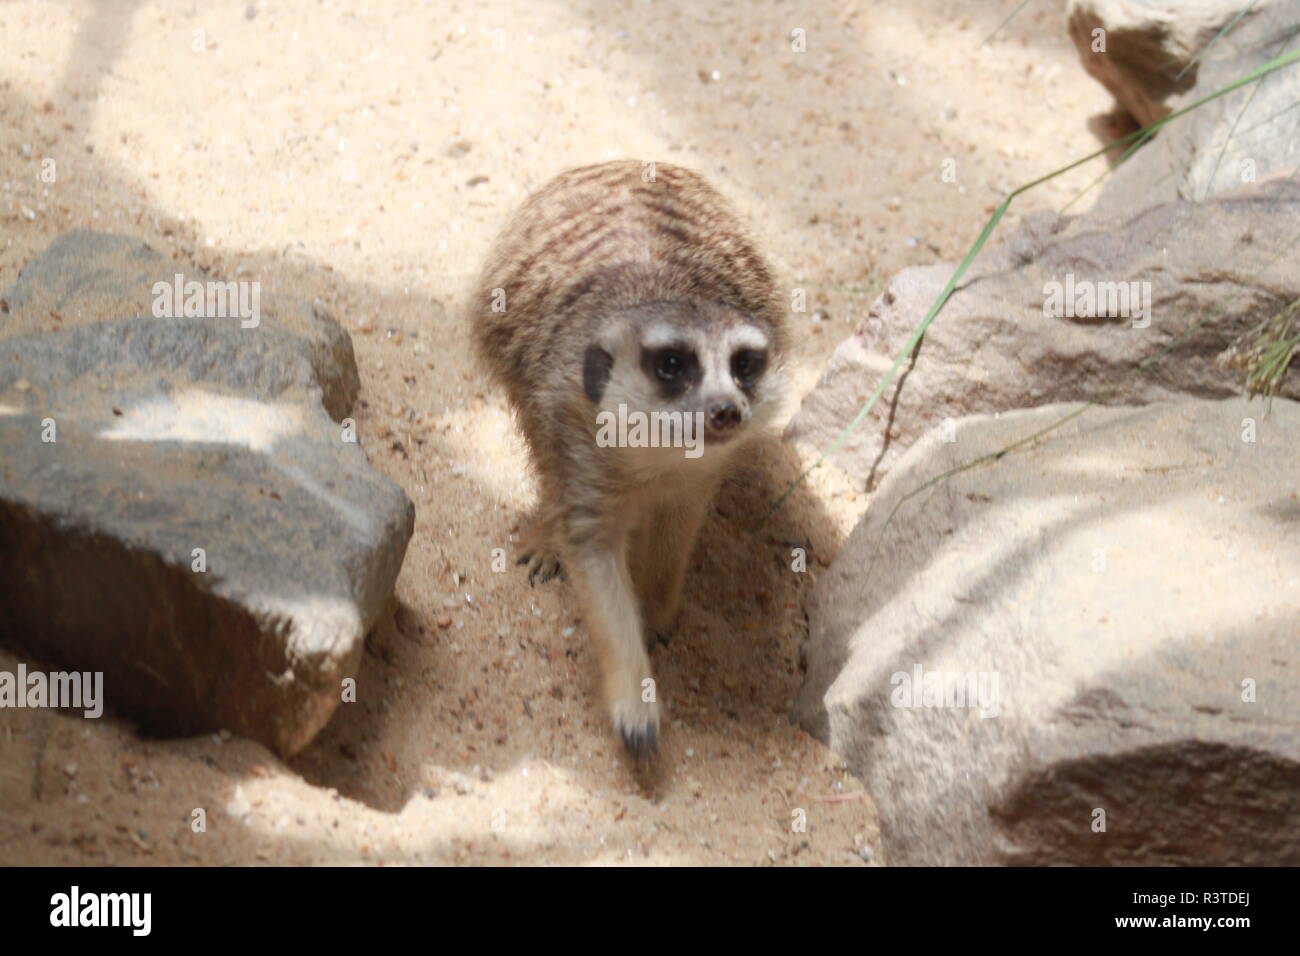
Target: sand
[365, 159]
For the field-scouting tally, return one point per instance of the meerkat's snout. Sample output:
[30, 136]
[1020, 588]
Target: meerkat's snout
[723, 416]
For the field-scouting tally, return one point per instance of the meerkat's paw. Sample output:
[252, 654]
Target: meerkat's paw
[637, 722]
[541, 556]
[659, 620]
[544, 563]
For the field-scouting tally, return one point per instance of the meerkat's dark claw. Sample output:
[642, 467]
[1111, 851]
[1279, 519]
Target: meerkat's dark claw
[663, 637]
[642, 744]
[547, 568]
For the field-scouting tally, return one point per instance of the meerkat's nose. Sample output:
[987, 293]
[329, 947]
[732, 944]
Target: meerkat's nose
[724, 415]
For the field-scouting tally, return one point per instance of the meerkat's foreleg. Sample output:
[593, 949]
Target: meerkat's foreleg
[540, 542]
[603, 581]
[664, 548]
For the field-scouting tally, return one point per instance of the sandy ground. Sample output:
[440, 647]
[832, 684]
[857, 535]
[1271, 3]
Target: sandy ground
[364, 156]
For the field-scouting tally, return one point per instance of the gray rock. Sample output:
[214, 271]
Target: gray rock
[1124, 581]
[87, 279]
[176, 434]
[1250, 135]
[1229, 261]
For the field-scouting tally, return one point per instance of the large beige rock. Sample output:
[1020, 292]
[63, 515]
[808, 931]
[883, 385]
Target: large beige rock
[1141, 51]
[1230, 261]
[199, 529]
[1250, 135]
[1132, 584]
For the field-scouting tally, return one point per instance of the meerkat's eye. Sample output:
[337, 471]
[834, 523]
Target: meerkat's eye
[669, 365]
[675, 368]
[747, 365]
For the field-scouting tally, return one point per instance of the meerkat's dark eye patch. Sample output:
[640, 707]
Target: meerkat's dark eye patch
[747, 365]
[674, 368]
[596, 367]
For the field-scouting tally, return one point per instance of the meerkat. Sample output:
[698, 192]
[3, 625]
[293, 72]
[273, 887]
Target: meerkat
[628, 288]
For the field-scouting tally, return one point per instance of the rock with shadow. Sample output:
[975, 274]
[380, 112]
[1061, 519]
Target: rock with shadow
[183, 502]
[1066, 309]
[1159, 58]
[1083, 652]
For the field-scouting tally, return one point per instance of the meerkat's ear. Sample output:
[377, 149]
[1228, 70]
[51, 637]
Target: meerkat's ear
[596, 367]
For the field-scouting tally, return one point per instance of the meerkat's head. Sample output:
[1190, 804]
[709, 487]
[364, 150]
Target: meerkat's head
[706, 368]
